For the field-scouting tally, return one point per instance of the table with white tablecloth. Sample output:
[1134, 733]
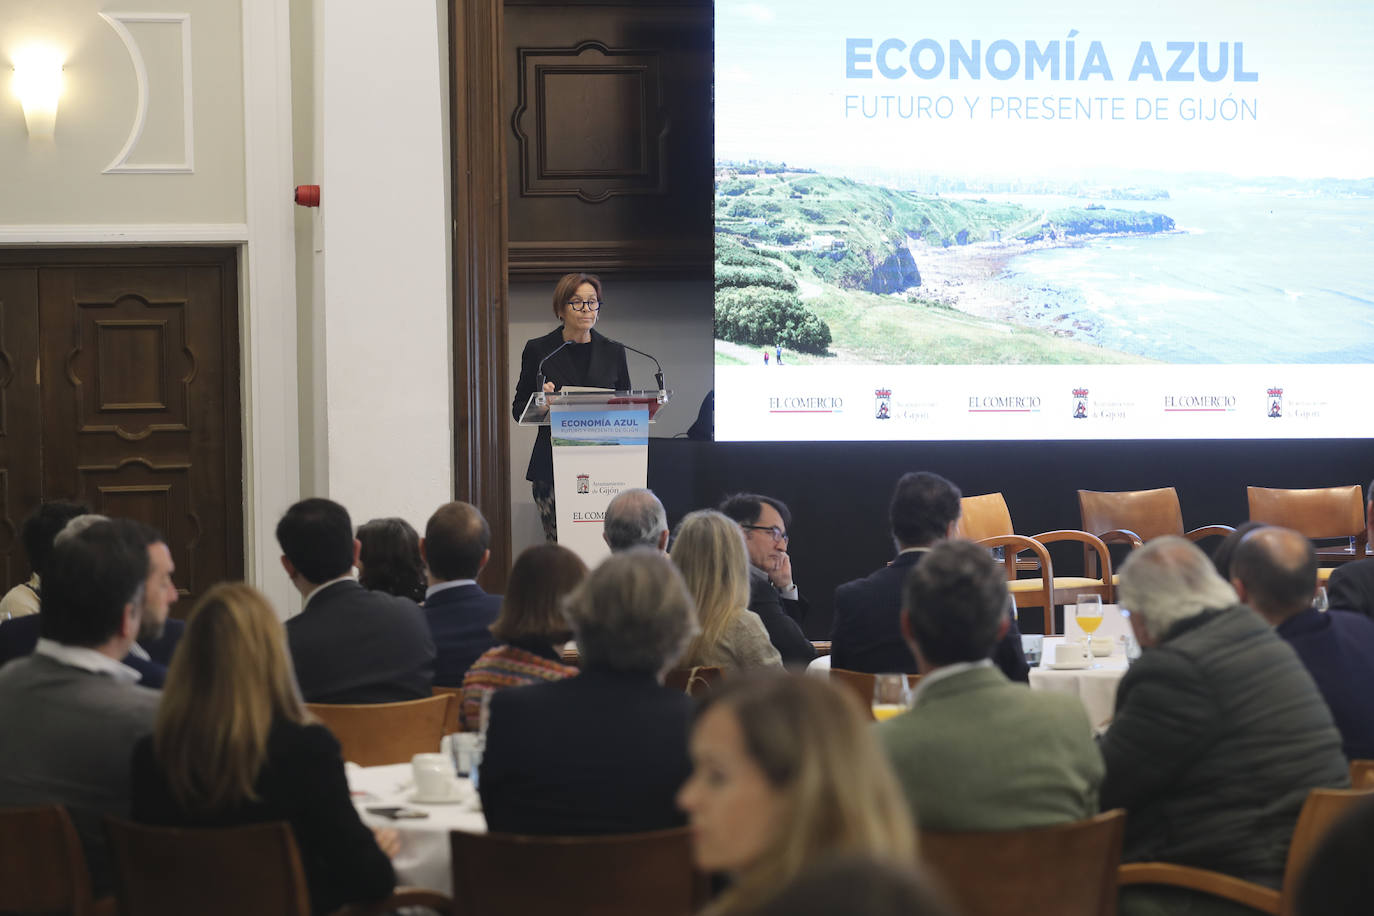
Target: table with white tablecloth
[1095, 686]
[424, 859]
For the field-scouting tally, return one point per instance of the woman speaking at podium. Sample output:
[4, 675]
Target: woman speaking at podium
[572, 354]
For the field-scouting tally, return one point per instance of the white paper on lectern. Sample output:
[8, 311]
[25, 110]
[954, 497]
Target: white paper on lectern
[597, 453]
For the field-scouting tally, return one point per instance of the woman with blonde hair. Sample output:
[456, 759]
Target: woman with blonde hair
[233, 744]
[787, 774]
[709, 551]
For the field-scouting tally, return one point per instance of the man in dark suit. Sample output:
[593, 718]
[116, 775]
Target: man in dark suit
[620, 735]
[867, 634]
[455, 547]
[349, 645]
[1351, 586]
[1275, 572]
[772, 593]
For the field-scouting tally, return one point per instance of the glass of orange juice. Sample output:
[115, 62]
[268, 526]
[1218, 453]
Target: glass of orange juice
[891, 695]
[1088, 613]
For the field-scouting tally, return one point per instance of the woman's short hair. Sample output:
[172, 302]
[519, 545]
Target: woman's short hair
[567, 285]
[709, 551]
[633, 613]
[816, 747]
[229, 680]
[532, 610]
[390, 558]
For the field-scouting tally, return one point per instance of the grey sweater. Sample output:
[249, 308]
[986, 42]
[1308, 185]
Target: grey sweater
[67, 738]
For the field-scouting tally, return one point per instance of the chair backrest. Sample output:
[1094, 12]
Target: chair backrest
[379, 733]
[1362, 774]
[1148, 513]
[42, 867]
[1321, 810]
[453, 718]
[622, 875]
[693, 681]
[1003, 873]
[984, 517]
[1326, 512]
[164, 871]
[861, 683]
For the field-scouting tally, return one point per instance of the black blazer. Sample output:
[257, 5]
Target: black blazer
[460, 620]
[796, 650]
[607, 369]
[351, 645]
[867, 634]
[1350, 588]
[303, 784]
[602, 752]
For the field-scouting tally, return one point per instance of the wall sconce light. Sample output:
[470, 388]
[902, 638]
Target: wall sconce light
[38, 84]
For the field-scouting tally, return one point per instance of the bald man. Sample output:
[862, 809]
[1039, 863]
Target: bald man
[635, 518]
[1274, 570]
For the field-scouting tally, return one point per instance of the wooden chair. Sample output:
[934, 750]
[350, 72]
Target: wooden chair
[985, 519]
[861, 683]
[168, 871]
[377, 733]
[1322, 809]
[453, 718]
[42, 867]
[621, 875]
[1133, 517]
[693, 681]
[1004, 873]
[1326, 512]
[1362, 774]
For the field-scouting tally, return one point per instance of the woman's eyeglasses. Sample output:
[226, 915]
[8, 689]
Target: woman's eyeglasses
[584, 305]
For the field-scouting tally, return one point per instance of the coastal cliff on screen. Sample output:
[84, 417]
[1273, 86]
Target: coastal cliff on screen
[1109, 215]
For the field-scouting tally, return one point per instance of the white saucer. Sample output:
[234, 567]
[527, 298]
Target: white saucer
[461, 798]
[1058, 667]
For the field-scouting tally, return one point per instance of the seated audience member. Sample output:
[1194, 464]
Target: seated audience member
[457, 544]
[1219, 732]
[635, 518]
[348, 645]
[157, 634]
[389, 559]
[70, 713]
[1338, 880]
[531, 628]
[36, 535]
[234, 745]
[709, 552]
[606, 751]
[1226, 550]
[976, 752]
[857, 886]
[867, 632]
[787, 773]
[1351, 586]
[772, 593]
[1275, 572]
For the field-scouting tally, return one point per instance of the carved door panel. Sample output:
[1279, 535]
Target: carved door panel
[20, 419]
[140, 399]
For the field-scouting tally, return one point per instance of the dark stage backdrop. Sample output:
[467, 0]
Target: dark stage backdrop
[838, 491]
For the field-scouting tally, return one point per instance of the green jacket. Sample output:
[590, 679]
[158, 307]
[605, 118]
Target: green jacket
[978, 752]
[1219, 733]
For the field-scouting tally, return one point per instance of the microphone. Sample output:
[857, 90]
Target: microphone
[539, 372]
[658, 376]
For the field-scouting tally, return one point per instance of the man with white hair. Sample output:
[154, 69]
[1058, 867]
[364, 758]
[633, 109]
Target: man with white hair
[635, 518]
[1219, 731]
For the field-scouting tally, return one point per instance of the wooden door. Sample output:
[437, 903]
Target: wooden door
[138, 387]
[20, 417]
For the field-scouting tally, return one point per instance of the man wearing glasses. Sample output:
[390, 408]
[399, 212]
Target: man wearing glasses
[772, 593]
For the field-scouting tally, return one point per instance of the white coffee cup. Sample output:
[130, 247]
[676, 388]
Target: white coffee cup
[1103, 645]
[433, 776]
[1072, 655]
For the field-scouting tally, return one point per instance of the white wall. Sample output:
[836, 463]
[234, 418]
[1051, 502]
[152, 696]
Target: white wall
[387, 369]
[671, 320]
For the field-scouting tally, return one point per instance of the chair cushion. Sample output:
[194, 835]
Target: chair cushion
[1324, 573]
[1031, 585]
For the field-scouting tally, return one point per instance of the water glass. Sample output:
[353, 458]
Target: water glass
[891, 695]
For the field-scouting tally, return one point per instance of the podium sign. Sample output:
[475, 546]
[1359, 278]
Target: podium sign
[598, 451]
